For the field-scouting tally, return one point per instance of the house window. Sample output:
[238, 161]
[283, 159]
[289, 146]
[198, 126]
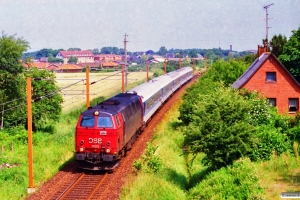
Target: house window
[293, 104]
[272, 101]
[271, 76]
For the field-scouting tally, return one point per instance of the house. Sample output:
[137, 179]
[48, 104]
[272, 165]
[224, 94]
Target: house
[107, 57]
[110, 65]
[271, 79]
[170, 55]
[71, 68]
[82, 56]
[92, 66]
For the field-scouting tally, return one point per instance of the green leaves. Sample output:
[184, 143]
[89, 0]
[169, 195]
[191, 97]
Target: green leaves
[290, 56]
[219, 127]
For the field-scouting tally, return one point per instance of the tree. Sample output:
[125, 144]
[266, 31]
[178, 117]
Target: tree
[220, 127]
[162, 51]
[74, 49]
[290, 56]
[11, 49]
[52, 59]
[73, 59]
[47, 100]
[193, 54]
[277, 44]
[11, 79]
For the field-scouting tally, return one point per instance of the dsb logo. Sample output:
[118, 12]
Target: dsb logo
[95, 140]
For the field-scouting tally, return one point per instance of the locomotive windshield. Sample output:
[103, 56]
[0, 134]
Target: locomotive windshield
[104, 122]
[87, 121]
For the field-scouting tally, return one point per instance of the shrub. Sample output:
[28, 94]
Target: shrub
[240, 181]
[269, 139]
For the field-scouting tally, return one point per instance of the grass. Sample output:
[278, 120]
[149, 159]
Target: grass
[281, 174]
[106, 85]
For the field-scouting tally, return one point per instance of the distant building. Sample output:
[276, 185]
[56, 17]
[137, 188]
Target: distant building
[82, 56]
[107, 57]
[69, 68]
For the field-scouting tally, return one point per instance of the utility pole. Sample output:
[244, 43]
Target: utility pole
[125, 54]
[267, 27]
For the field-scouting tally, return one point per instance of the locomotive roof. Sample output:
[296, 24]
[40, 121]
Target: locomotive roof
[114, 104]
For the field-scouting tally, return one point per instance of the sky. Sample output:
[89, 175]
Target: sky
[149, 24]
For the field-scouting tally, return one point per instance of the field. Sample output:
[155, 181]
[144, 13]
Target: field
[73, 88]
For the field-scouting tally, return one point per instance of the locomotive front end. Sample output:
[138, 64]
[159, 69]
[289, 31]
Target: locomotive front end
[97, 140]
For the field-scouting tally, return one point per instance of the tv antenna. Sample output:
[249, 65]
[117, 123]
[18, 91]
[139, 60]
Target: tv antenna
[267, 27]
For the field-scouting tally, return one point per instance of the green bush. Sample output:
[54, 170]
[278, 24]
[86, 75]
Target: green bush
[219, 127]
[240, 181]
[149, 162]
[270, 139]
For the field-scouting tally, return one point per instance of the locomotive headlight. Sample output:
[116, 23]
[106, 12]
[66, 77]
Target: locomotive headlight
[107, 150]
[81, 149]
[81, 142]
[108, 143]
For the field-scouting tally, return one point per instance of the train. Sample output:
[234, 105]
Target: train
[105, 132]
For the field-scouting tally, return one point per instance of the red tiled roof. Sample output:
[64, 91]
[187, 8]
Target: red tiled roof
[69, 66]
[110, 64]
[67, 54]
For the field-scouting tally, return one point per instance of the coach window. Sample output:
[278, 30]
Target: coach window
[293, 104]
[271, 76]
[272, 101]
[87, 121]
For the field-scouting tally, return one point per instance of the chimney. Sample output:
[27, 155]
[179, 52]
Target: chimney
[260, 50]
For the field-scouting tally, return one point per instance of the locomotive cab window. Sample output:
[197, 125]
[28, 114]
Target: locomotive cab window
[87, 121]
[104, 122]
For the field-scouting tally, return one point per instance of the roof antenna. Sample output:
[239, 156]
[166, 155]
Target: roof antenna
[267, 27]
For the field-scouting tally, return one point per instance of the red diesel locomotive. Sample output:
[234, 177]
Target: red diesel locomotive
[106, 131]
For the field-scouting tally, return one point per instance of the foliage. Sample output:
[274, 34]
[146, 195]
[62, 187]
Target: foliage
[277, 43]
[219, 127]
[227, 72]
[241, 181]
[220, 71]
[269, 139]
[52, 59]
[290, 56]
[47, 100]
[193, 53]
[12, 99]
[149, 161]
[11, 49]
[112, 50]
[260, 112]
[248, 59]
[162, 51]
[158, 72]
[12, 81]
[73, 59]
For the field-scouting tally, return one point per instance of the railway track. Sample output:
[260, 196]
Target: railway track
[85, 186]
